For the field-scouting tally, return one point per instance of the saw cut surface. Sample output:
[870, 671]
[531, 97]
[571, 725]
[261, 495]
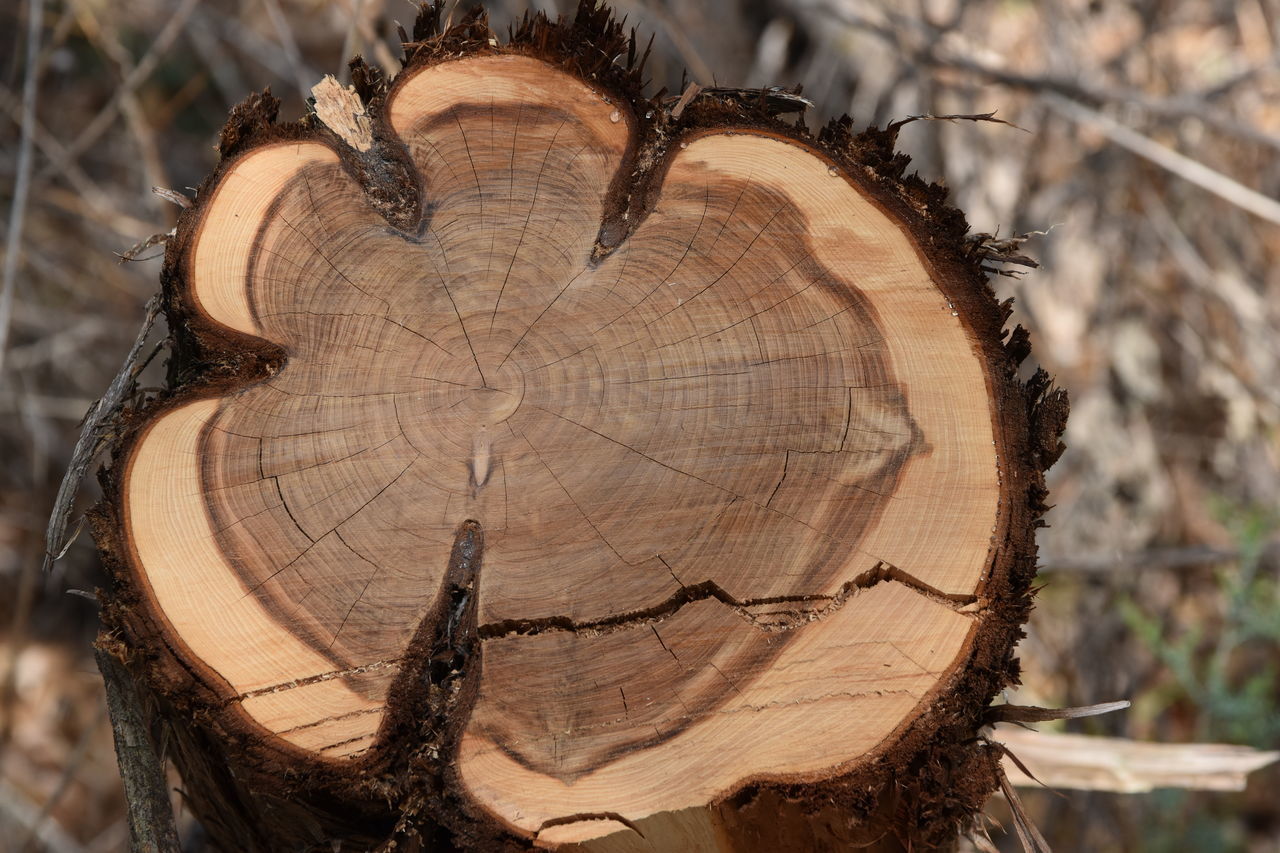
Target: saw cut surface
[736, 476]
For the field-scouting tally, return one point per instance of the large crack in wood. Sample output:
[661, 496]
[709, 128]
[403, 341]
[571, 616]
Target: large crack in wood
[780, 620]
[770, 621]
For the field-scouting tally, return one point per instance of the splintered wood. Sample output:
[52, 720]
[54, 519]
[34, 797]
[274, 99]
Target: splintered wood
[724, 448]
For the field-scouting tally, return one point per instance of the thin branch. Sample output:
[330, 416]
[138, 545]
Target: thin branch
[1185, 106]
[1089, 763]
[49, 146]
[927, 54]
[108, 41]
[22, 184]
[350, 42]
[17, 810]
[1184, 167]
[684, 46]
[290, 46]
[235, 36]
[99, 124]
[1190, 556]
[151, 824]
[1028, 834]
[954, 117]
[70, 768]
[1008, 713]
[97, 424]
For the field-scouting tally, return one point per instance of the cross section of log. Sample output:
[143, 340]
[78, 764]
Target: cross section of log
[544, 462]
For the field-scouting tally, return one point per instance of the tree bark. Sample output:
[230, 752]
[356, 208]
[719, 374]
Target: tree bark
[150, 815]
[545, 464]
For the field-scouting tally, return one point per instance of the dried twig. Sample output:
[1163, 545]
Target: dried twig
[132, 253]
[691, 91]
[974, 117]
[1029, 836]
[1034, 714]
[22, 184]
[302, 77]
[97, 424]
[1084, 762]
[69, 770]
[351, 41]
[103, 32]
[775, 100]
[1154, 558]
[928, 54]
[52, 149]
[1004, 251]
[1184, 167]
[1175, 107]
[679, 38]
[236, 36]
[18, 812]
[151, 823]
[180, 199]
[99, 124]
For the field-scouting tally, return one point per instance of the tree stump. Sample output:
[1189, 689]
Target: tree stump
[546, 464]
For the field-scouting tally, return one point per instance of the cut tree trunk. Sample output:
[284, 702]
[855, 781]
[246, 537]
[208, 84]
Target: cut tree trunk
[545, 464]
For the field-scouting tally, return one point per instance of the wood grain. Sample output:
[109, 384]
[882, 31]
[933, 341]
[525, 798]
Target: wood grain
[732, 448]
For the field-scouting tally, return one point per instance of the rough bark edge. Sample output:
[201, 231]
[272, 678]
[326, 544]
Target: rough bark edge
[927, 779]
[150, 814]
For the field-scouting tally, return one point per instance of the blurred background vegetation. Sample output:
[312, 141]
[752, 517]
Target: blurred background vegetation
[1148, 149]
